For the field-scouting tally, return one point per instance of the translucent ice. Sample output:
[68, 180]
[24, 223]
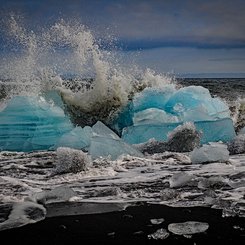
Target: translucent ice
[153, 116]
[77, 138]
[184, 138]
[30, 123]
[153, 98]
[98, 140]
[211, 131]
[157, 112]
[214, 152]
[105, 142]
[196, 99]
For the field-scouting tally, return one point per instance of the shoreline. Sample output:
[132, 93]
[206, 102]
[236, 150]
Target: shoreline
[65, 224]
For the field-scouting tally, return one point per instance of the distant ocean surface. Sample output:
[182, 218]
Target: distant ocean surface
[229, 89]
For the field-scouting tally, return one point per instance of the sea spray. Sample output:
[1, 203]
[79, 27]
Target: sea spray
[62, 57]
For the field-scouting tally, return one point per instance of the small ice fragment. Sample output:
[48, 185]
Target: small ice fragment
[180, 179]
[211, 182]
[159, 234]
[188, 228]
[24, 213]
[214, 152]
[157, 221]
[58, 194]
[71, 160]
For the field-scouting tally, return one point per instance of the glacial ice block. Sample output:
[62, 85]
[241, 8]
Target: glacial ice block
[153, 98]
[30, 123]
[105, 142]
[196, 100]
[211, 131]
[213, 152]
[77, 138]
[153, 116]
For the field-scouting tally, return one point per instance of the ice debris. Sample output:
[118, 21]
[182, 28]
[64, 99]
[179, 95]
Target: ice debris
[213, 152]
[105, 142]
[160, 234]
[24, 213]
[58, 194]
[180, 179]
[188, 228]
[157, 221]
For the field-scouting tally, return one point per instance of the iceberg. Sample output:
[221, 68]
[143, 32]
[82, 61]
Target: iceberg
[30, 123]
[214, 152]
[211, 131]
[155, 113]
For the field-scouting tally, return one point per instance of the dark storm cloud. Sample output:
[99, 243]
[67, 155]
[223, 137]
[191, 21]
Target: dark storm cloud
[147, 23]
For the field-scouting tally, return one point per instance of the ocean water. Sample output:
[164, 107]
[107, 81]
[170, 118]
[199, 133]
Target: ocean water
[94, 85]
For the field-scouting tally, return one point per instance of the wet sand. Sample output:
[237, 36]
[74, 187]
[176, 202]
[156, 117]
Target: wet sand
[65, 224]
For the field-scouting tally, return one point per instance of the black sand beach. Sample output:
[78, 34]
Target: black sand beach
[130, 226]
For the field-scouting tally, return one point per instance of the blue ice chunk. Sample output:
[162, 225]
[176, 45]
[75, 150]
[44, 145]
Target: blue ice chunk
[153, 116]
[124, 118]
[196, 101]
[77, 138]
[142, 133]
[30, 123]
[106, 146]
[105, 142]
[100, 129]
[212, 131]
[153, 98]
